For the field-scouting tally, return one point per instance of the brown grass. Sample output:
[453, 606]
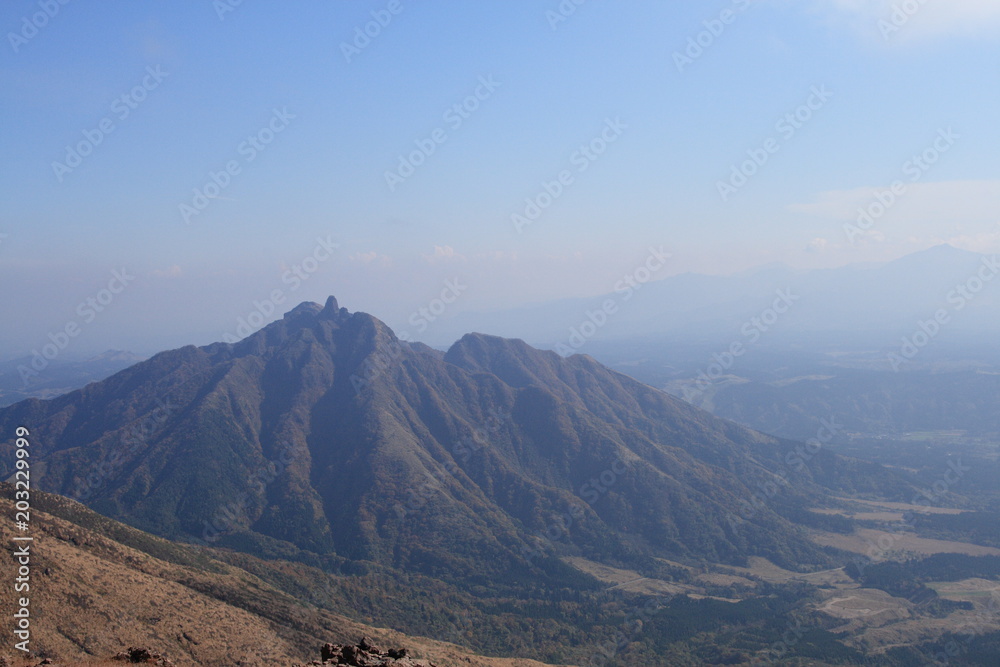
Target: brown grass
[889, 544]
[91, 597]
[904, 507]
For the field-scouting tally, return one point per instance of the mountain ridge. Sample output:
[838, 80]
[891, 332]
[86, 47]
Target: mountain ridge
[279, 422]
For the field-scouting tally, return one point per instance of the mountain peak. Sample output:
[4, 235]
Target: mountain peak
[331, 309]
[944, 250]
[482, 351]
[307, 308]
[936, 258]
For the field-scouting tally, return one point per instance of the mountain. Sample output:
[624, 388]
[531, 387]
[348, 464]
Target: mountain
[323, 433]
[875, 302]
[98, 586]
[499, 496]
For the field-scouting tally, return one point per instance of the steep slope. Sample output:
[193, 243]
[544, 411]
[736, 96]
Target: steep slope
[98, 586]
[323, 433]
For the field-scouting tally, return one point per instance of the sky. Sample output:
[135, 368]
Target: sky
[178, 173]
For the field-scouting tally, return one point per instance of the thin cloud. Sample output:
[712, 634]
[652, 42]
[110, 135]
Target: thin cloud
[954, 202]
[444, 254]
[171, 272]
[371, 258]
[899, 21]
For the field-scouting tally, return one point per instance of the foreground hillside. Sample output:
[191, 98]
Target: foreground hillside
[98, 586]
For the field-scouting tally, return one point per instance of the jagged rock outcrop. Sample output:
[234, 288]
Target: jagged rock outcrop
[366, 654]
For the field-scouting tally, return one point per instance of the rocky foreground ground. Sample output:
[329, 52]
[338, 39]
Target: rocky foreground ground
[367, 654]
[363, 654]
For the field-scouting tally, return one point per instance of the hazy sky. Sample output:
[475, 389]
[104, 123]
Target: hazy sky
[619, 120]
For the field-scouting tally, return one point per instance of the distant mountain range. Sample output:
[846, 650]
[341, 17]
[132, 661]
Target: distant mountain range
[19, 378]
[861, 302]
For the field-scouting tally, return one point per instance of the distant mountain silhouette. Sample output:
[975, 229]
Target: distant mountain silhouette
[872, 300]
[19, 378]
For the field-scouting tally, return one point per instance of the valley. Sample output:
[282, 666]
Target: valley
[506, 500]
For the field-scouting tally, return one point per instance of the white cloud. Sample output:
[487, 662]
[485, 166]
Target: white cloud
[897, 21]
[947, 202]
[960, 213]
[817, 245]
[985, 242]
[371, 258]
[171, 272]
[443, 254]
[502, 256]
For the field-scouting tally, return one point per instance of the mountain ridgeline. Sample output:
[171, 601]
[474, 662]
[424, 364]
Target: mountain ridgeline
[323, 436]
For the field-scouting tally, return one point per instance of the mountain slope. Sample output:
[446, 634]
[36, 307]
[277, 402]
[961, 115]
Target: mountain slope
[98, 586]
[324, 434]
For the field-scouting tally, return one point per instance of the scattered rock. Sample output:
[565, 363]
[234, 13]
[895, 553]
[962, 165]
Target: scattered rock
[367, 654]
[366, 644]
[136, 654]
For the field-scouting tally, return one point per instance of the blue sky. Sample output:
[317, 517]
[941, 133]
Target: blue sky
[200, 80]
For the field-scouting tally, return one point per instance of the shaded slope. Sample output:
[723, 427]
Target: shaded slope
[324, 433]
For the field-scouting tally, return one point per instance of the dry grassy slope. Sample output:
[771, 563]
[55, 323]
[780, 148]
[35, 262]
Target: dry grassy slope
[91, 596]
